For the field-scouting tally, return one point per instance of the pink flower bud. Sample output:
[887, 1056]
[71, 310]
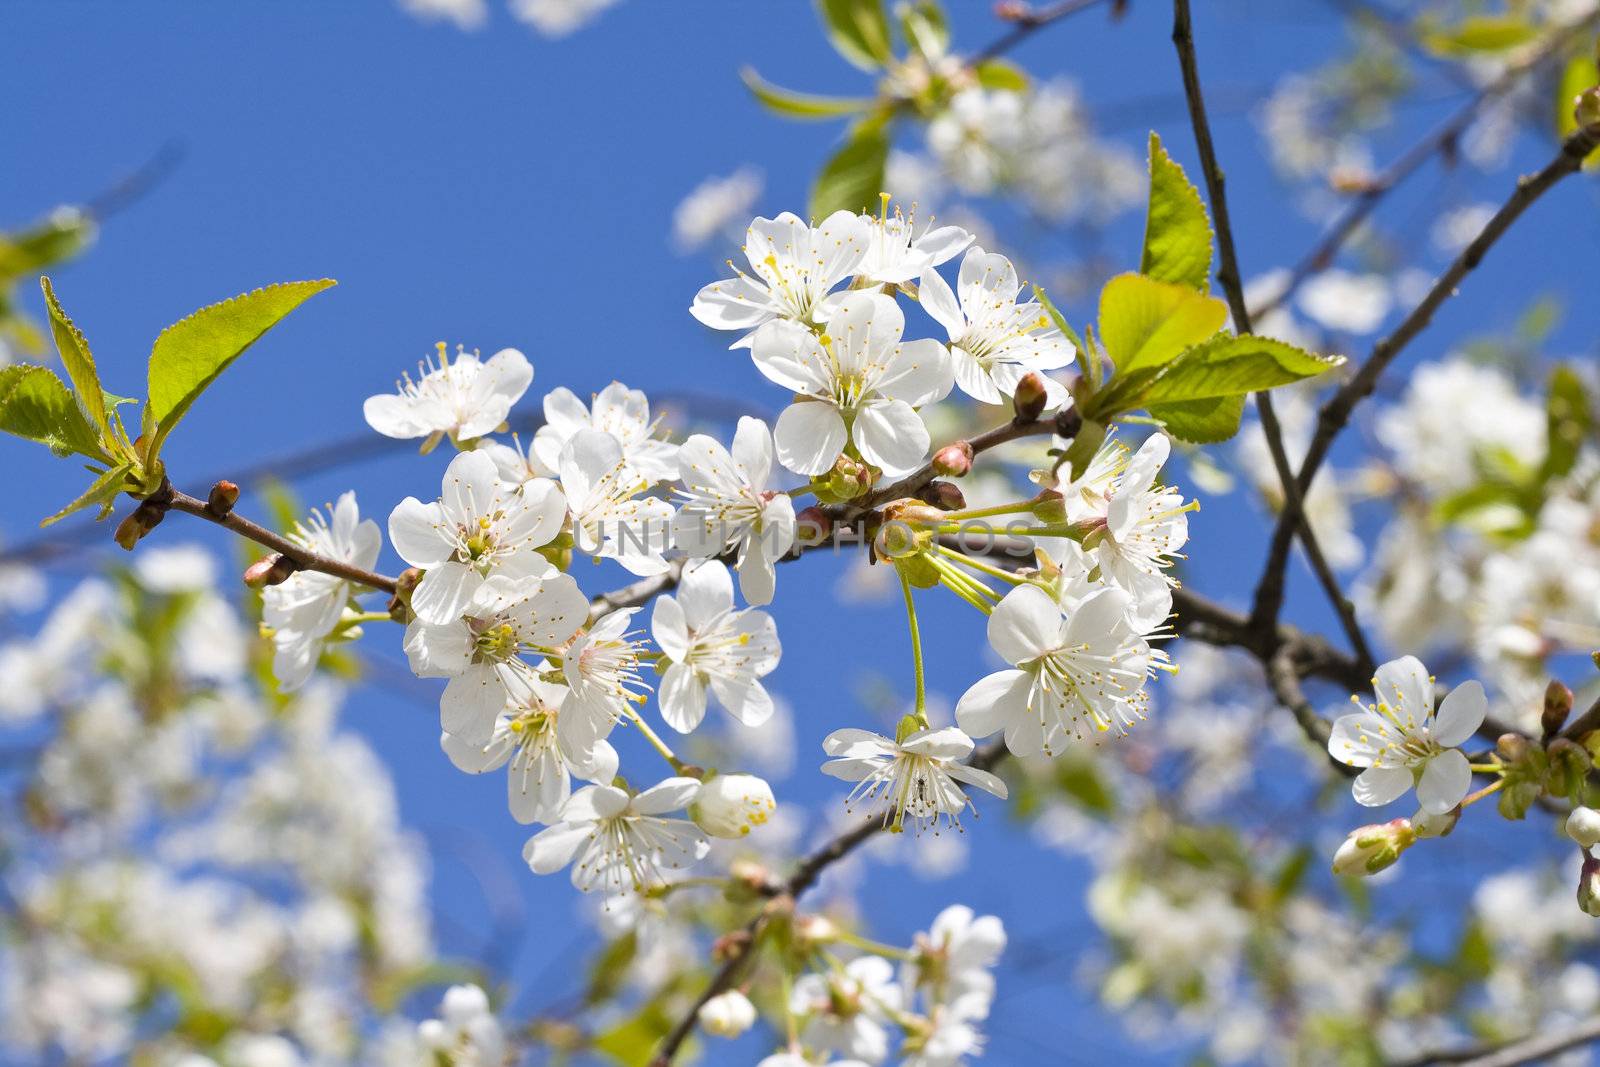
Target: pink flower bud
[269, 570]
[1028, 401]
[945, 496]
[953, 461]
[224, 495]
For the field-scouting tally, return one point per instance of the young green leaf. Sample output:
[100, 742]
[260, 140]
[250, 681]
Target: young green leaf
[802, 105]
[64, 234]
[1568, 419]
[189, 354]
[1145, 322]
[1202, 422]
[859, 30]
[1233, 366]
[999, 74]
[1084, 358]
[103, 493]
[1582, 72]
[35, 404]
[924, 27]
[1177, 231]
[1478, 34]
[853, 178]
[79, 362]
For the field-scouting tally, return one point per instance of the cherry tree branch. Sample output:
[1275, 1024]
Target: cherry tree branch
[1029, 21]
[1335, 414]
[1441, 141]
[1233, 285]
[302, 558]
[1528, 1050]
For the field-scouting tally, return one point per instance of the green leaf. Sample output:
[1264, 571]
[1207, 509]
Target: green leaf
[1583, 72]
[859, 30]
[853, 178]
[1233, 366]
[1479, 34]
[1202, 422]
[1144, 322]
[632, 1042]
[35, 404]
[1082, 357]
[925, 29]
[1568, 420]
[189, 354]
[79, 361]
[1177, 231]
[103, 492]
[60, 237]
[1000, 74]
[802, 105]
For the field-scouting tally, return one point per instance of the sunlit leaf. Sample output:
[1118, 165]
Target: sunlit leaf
[853, 178]
[859, 29]
[1177, 231]
[802, 105]
[79, 362]
[37, 405]
[1144, 322]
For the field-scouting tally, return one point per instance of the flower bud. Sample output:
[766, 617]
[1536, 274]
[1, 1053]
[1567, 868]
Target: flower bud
[945, 496]
[1583, 826]
[224, 495]
[1012, 11]
[731, 805]
[1028, 401]
[953, 461]
[727, 1014]
[730, 945]
[1426, 824]
[1512, 747]
[1050, 506]
[146, 517]
[274, 569]
[815, 930]
[1557, 706]
[1589, 887]
[813, 525]
[1370, 849]
[1586, 107]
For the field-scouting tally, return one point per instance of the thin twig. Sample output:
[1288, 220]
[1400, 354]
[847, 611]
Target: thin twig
[1233, 286]
[1335, 414]
[1029, 23]
[302, 558]
[1441, 140]
[1527, 1050]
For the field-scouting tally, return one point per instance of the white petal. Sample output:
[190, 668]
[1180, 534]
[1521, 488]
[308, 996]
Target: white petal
[445, 591]
[991, 702]
[1026, 624]
[682, 697]
[470, 704]
[706, 593]
[732, 304]
[1460, 714]
[669, 629]
[890, 434]
[552, 848]
[1377, 786]
[670, 794]
[1445, 781]
[417, 531]
[1356, 739]
[809, 437]
[1403, 684]
[940, 302]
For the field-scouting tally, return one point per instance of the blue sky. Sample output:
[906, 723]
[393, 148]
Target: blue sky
[496, 189]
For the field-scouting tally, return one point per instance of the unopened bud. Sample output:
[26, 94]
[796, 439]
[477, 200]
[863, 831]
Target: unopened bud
[1427, 824]
[1583, 826]
[1512, 747]
[1557, 706]
[1370, 849]
[1589, 887]
[812, 526]
[750, 874]
[815, 929]
[146, 517]
[945, 496]
[848, 479]
[953, 461]
[269, 570]
[727, 1014]
[731, 805]
[1012, 11]
[224, 495]
[730, 945]
[1586, 107]
[1029, 399]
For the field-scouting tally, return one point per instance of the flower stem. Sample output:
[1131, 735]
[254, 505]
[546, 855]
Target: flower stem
[980, 566]
[1019, 507]
[655, 741]
[1491, 788]
[916, 648]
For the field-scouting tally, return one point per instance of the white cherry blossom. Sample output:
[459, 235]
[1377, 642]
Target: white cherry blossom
[845, 1011]
[796, 266]
[995, 341]
[543, 747]
[464, 399]
[955, 959]
[609, 518]
[1400, 741]
[478, 527]
[712, 650]
[480, 652]
[620, 843]
[1146, 525]
[1079, 674]
[897, 252]
[857, 383]
[601, 667]
[918, 777]
[305, 608]
[617, 410]
[726, 503]
[727, 1014]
